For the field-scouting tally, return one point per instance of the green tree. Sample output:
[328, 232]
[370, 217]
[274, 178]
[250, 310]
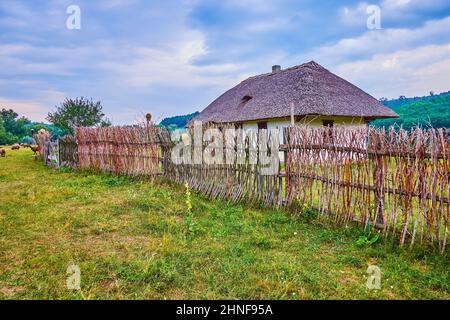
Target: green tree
[79, 112]
[13, 124]
[5, 136]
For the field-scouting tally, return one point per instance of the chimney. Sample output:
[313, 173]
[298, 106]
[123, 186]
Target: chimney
[276, 68]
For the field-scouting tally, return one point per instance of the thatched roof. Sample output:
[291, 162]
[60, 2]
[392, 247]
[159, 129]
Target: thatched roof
[311, 88]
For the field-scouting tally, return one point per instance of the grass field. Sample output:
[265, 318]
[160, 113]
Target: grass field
[131, 240]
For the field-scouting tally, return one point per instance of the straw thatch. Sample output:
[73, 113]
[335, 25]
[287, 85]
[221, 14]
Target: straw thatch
[312, 89]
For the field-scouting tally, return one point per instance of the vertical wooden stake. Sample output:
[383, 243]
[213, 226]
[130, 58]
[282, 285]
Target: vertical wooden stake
[292, 114]
[148, 117]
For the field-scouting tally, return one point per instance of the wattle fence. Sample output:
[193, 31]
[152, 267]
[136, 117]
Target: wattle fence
[395, 180]
[392, 180]
[68, 151]
[123, 150]
[239, 174]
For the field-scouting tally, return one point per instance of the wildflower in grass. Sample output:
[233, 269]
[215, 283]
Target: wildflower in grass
[188, 198]
[188, 219]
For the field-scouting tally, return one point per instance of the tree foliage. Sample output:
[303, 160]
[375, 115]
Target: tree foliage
[71, 113]
[430, 111]
[14, 129]
[79, 112]
[12, 123]
[178, 121]
[11, 128]
[5, 136]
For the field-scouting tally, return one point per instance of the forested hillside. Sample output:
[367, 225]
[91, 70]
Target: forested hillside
[430, 111]
[178, 121]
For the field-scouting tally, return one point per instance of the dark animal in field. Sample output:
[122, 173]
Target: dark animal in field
[2, 153]
[15, 147]
[25, 145]
[35, 149]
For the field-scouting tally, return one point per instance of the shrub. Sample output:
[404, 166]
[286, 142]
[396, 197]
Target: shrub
[27, 140]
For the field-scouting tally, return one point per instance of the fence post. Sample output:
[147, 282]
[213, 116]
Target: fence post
[377, 176]
[57, 154]
[284, 176]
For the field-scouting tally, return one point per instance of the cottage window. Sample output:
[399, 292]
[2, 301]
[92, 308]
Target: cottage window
[262, 125]
[245, 99]
[328, 123]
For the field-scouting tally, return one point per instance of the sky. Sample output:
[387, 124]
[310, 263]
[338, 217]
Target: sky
[175, 57]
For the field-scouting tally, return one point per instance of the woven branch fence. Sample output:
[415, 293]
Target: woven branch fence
[395, 180]
[68, 151]
[239, 177]
[123, 150]
[392, 180]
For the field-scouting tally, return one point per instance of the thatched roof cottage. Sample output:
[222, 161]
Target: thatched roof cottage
[309, 92]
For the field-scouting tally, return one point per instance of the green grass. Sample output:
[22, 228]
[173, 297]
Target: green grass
[131, 240]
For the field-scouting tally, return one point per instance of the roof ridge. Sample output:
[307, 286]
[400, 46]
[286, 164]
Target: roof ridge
[314, 64]
[311, 63]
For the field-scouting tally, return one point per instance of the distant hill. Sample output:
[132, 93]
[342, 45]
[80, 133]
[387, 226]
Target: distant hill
[429, 111]
[178, 121]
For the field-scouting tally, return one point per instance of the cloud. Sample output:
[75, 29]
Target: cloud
[172, 57]
[414, 5]
[355, 16]
[393, 12]
[33, 110]
[256, 6]
[174, 66]
[404, 72]
[392, 62]
[113, 4]
[266, 25]
[383, 41]
[24, 59]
